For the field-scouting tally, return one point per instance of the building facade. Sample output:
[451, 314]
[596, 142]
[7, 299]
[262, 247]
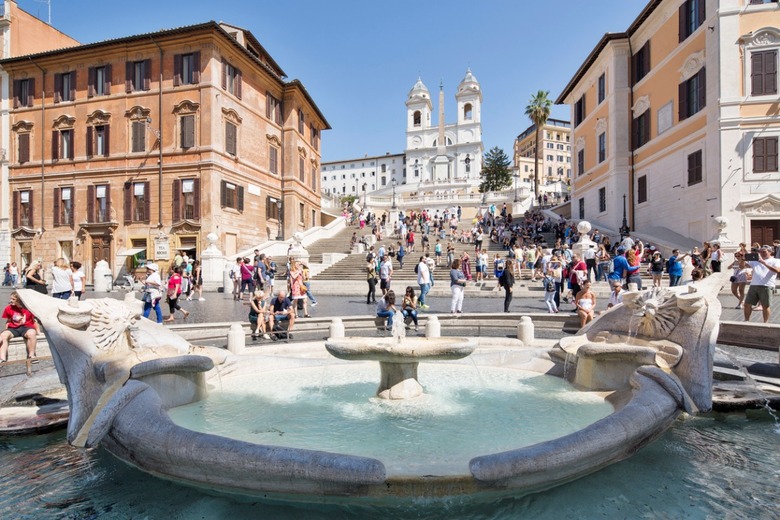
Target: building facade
[674, 117]
[555, 159]
[137, 147]
[364, 175]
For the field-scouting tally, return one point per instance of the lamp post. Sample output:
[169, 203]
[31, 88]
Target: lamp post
[516, 176]
[393, 183]
[624, 228]
[280, 234]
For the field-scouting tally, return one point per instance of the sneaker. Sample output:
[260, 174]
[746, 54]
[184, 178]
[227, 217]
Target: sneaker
[313, 304]
[416, 329]
[201, 299]
[254, 337]
[266, 336]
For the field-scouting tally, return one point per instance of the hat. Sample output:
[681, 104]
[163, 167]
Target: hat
[152, 266]
[767, 248]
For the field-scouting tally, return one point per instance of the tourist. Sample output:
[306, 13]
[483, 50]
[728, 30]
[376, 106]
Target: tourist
[385, 308]
[20, 324]
[604, 263]
[14, 272]
[152, 292]
[409, 306]
[551, 288]
[371, 277]
[187, 286]
[740, 277]
[457, 286]
[674, 267]
[715, 258]
[498, 266]
[634, 258]
[283, 310]
[620, 267]
[423, 280]
[465, 262]
[34, 278]
[78, 279]
[7, 275]
[235, 275]
[297, 288]
[307, 283]
[554, 269]
[616, 296]
[765, 271]
[450, 253]
[197, 279]
[258, 314]
[385, 274]
[578, 274]
[400, 255]
[589, 255]
[62, 283]
[585, 301]
[174, 291]
[247, 273]
[657, 268]
[507, 281]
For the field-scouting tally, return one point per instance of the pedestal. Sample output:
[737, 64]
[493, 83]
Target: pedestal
[398, 381]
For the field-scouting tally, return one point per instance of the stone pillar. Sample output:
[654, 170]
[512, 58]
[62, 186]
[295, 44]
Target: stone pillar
[213, 266]
[525, 330]
[336, 328]
[236, 340]
[102, 277]
[433, 327]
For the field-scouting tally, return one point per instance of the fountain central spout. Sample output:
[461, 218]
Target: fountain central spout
[399, 330]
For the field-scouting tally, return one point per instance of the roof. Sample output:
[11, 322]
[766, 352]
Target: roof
[297, 84]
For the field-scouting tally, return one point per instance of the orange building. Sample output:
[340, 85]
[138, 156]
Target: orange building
[677, 117]
[140, 146]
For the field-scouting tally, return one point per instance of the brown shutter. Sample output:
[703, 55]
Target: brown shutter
[90, 141]
[55, 145]
[702, 11]
[107, 83]
[32, 210]
[16, 210]
[702, 92]
[90, 203]
[646, 56]
[771, 154]
[106, 140]
[72, 148]
[30, 92]
[267, 105]
[682, 110]
[238, 84]
[91, 82]
[128, 77]
[633, 71]
[147, 202]
[17, 88]
[177, 70]
[240, 190]
[108, 200]
[279, 112]
[224, 75]
[57, 87]
[757, 74]
[770, 72]
[176, 200]
[128, 202]
[196, 67]
[222, 194]
[196, 199]
[147, 74]
[189, 128]
[73, 86]
[230, 138]
[139, 137]
[24, 148]
[57, 195]
[759, 155]
[682, 22]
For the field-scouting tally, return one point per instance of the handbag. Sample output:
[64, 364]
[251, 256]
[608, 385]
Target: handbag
[41, 288]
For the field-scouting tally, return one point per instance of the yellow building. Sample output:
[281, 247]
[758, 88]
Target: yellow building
[140, 146]
[675, 114]
[555, 159]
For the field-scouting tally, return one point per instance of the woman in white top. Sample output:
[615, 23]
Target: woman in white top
[586, 304]
[62, 285]
[78, 278]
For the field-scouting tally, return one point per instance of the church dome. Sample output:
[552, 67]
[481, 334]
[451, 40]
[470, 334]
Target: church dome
[469, 83]
[419, 91]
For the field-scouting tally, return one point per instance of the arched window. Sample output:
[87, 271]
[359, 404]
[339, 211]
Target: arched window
[417, 118]
[467, 111]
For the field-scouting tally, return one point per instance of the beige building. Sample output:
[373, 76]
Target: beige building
[675, 116]
[554, 161]
[136, 147]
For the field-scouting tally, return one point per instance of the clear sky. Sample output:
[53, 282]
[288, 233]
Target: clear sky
[359, 59]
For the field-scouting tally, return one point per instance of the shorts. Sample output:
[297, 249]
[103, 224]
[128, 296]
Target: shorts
[384, 284]
[756, 294]
[281, 317]
[19, 332]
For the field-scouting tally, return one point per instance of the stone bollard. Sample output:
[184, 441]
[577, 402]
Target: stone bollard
[336, 328]
[432, 327]
[525, 330]
[236, 340]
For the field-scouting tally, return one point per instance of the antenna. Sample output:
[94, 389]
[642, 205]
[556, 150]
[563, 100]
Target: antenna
[48, 3]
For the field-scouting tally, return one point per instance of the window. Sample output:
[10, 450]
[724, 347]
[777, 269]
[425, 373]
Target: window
[641, 130]
[186, 69]
[98, 203]
[63, 206]
[559, 158]
[551, 146]
[315, 138]
[302, 213]
[550, 158]
[138, 76]
[641, 184]
[273, 109]
[62, 144]
[602, 147]
[581, 162]
[763, 73]
[602, 200]
[65, 87]
[693, 95]
[187, 131]
[582, 208]
[694, 168]
[99, 81]
[139, 136]
[24, 92]
[231, 79]
[186, 199]
[23, 208]
[271, 209]
[579, 110]
[467, 112]
[314, 177]
[23, 142]
[137, 203]
[602, 87]
[416, 118]
[640, 63]
[232, 196]
[301, 122]
[231, 133]
[97, 140]
[302, 169]
[764, 154]
[273, 159]
[692, 15]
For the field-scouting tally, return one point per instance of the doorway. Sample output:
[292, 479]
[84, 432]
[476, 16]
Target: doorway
[764, 231]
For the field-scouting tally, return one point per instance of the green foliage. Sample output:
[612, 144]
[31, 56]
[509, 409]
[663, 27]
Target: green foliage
[348, 199]
[495, 174]
[538, 111]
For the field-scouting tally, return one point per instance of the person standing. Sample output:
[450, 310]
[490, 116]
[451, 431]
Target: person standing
[457, 286]
[235, 275]
[507, 281]
[577, 276]
[307, 284]
[400, 255]
[197, 279]
[715, 257]
[657, 268]
[14, 271]
[78, 278]
[765, 271]
[740, 277]
[589, 255]
[385, 274]
[620, 267]
[20, 324]
[174, 291]
[675, 268]
[551, 289]
[465, 261]
[423, 280]
[35, 279]
[152, 292]
[371, 278]
[297, 288]
[62, 283]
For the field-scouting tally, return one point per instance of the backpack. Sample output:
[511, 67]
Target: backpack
[500, 265]
[549, 284]
[416, 268]
[669, 265]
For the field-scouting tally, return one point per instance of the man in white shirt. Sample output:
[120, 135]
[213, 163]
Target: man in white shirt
[589, 255]
[765, 271]
[616, 297]
[385, 274]
[423, 280]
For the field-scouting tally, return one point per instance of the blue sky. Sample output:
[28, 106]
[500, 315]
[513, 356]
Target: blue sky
[359, 59]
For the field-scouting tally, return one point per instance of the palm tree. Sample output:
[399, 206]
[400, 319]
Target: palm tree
[538, 111]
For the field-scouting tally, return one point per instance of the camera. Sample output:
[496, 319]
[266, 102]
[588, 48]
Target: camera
[751, 257]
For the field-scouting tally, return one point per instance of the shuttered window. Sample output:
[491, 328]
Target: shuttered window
[579, 110]
[231, 79]
[695, 168]
[24, 92]
[139, 136]
[602, 200]
[764, 154]
[62, 144]
[97, 141]
[581, 162]
[641, 184]
[640, 130]
[137, 202]
[186, 69]
[273, 159]
[231, 134]
[23, 209]
[691, 16]
[65, 87]
[63, 206]
[231, 196]
[138, 75]
[763, 73]
[692, 95]
[99, 81]
[23, 140]
[640, 63]
[98, 203]
[273, 108]
[187, 131]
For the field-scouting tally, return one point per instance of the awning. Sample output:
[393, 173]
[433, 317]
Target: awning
[132, 252]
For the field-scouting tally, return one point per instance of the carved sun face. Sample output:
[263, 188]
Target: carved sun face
[657, 311]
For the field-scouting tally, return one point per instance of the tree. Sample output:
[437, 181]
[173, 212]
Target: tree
[538, 111]
[495, 171]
